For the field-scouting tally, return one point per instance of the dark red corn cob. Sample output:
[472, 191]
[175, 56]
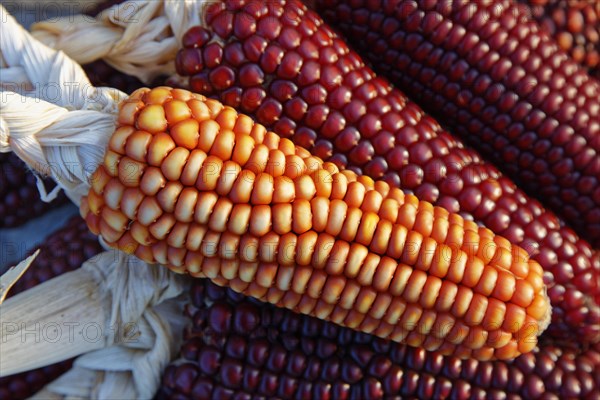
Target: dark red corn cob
[64, 251]
[102, 74]
[239, 348]
[282, 65]
[19, 198]
[496, 80]
[574, 24]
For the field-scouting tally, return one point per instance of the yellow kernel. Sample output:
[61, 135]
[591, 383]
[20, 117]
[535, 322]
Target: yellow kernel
[208, 130]
[130, 172]
[160, 146]
[282, 218]
[220, 215]
[185, 133]
[229, 174]
[209, 174]
[115, 219]
[184, 209]
[161, 228]
[283, 190]
[137, 145]
[167, 197]
[177, 111]
[99, 179]
[239, 219]
[141, 234]
[260, 220]
[113, 192]
[199, 109]
[178, 234]
[152, 119]
[181, 94]
[223, 145]
[320, 211]
[95, 202]
[128, 110]
[158, 95]
[226, 118]
[149, 211]
[173, 164]
[152, 181]
[244, 146]
[119, 139]
[111, 163]
[192, 167]
[262, 193]
[357, 255]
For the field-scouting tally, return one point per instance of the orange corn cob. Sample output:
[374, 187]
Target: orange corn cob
[288, 70]
[189, 183]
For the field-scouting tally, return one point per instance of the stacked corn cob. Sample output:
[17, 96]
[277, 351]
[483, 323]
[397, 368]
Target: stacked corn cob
[495, 79]
[240, 349]
[574, 24]
[64, 251]
[190, 184]
[288, 70]
[19, 197]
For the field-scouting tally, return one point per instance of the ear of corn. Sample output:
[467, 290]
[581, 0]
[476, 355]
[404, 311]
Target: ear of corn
[237, 348]
[19, 197]
[63, 251]
[289, 71]
[189, 183]
[500, 83]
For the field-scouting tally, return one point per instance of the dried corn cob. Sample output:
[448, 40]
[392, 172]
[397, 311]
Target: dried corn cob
[189, 183]
[19, 197]
[102, 74]
[574, 24]
[63, 251]
[237, 348]
[498, 82]
[289, 71]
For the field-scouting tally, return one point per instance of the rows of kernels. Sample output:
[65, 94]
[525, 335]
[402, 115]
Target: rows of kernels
[19, 197]
[575, 25]
[237, 347]
[189, 228]
[505, 87]
[374, 129]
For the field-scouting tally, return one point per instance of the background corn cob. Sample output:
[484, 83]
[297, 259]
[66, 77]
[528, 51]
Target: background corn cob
[65, 250]
[19, 197]
[290, 72]
[238, 348]
[574, 24]
[496, 80]
[174, 188]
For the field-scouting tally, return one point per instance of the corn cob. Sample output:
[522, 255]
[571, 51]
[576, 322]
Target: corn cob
[374, 129]
[238, 348]
[575, 25]
[19, 197]
[63, 251]
[102, 74]
[190, 184]
[506, 88]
